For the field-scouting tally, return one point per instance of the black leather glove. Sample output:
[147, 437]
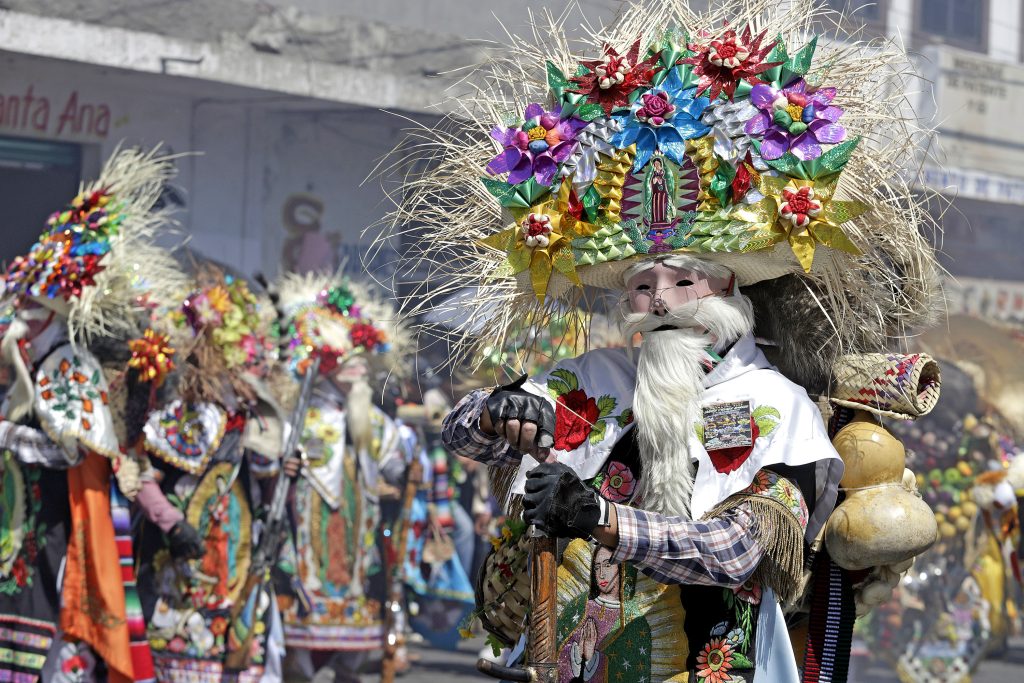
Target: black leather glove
[510, 402]
[559, 502]
[185, 542]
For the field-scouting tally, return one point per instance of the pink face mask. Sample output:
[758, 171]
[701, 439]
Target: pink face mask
[664, 287]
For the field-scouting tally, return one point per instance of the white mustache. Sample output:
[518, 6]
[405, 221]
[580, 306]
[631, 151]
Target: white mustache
[684, 316]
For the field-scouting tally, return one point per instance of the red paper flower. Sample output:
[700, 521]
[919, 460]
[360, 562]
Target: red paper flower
[536, 230]
[575, 415]
[724, 62]
[614, 77]
[365, 335]
[799, 206]
[151, 357]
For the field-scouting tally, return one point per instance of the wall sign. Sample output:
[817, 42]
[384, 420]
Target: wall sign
[73, 115]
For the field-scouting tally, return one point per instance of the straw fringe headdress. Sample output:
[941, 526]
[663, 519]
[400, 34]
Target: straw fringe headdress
[97, 263]
[338, 318]
[736, 135]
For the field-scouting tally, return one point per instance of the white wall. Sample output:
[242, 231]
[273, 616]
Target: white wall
[256, 150]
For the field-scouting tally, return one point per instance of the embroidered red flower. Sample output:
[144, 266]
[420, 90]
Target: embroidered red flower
[618, 484]
[20, 572]
[575, 415]
[219, 626]
[728, 460]
[73, 665]
[749, 592]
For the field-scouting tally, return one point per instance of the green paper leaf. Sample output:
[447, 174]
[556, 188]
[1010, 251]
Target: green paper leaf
[581, 70]
[778, 54]
[834, 160]
[499, 188]
[589, 112]
[787, 164]
[556, 80]
[800, 63]
[721, 183]
[743, 89]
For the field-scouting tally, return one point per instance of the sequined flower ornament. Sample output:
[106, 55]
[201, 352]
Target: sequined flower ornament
[536, 230]
[534, 149]
[151, 357]
[723, 62]
[795, 119]
[613, 78]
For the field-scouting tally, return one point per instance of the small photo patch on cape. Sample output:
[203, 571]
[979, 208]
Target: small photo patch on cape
[727, 425]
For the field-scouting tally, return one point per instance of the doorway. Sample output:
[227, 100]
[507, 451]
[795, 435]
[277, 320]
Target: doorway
[37, 177]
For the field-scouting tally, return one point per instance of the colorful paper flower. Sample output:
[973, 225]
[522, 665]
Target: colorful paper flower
[67, 257]
[662, 119]
[795, 119]
[806, 215]
[535, 148]
[613, 78]
[715, 661]
[366, 336]
[619, 483]
[544, 245]
[722, 63]
[536, 230]
[151, 357]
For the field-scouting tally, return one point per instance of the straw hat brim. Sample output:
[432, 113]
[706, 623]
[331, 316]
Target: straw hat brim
[750, 268]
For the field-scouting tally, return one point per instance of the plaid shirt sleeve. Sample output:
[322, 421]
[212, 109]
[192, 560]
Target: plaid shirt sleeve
[33, 447]
[673, 550]
[461, 434]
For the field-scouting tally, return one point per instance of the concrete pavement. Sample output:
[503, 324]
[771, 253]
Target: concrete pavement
[459, 667]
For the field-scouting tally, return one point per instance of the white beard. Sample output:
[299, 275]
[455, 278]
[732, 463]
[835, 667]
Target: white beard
[669, 389]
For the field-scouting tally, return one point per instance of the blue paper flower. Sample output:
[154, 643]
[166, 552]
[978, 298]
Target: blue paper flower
[662, 119]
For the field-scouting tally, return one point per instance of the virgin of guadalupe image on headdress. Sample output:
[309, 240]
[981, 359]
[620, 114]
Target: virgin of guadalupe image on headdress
[659, 205]
[614, 624]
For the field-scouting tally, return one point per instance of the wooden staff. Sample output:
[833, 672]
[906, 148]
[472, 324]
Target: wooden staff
[542, 643]
[394, 603]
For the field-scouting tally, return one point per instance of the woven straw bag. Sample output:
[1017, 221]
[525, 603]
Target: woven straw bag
[503, 591]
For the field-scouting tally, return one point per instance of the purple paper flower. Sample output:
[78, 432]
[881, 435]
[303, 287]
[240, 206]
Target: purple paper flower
[537, 147]
[795, 120]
